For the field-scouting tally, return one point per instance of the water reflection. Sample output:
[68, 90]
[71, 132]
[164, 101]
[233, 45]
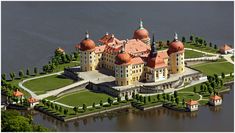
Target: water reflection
[150, 120]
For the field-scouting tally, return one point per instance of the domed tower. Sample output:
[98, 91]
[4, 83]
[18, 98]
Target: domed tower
[123, 68]
[142, 34]
[87, 54]
[176, 56]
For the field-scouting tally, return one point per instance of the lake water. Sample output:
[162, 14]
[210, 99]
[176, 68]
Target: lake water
[208, 118]
[32, 30]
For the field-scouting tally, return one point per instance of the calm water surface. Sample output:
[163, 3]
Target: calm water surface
[32, 30]
[160, 119]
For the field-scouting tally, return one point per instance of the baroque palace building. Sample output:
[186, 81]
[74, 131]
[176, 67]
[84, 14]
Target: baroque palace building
[132, 60]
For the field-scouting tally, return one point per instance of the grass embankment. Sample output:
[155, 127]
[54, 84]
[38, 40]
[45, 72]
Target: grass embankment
[200, 47]
[60, 67]
[41, 85]
[82, 97]
[193, 54]
[216, 67]
[80, 112]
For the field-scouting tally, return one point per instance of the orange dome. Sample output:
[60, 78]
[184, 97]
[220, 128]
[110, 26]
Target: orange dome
[87, 44]
[123, 58]
[141, 34]
[175, 46]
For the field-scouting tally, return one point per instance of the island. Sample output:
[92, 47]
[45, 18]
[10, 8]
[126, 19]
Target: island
[110, 74]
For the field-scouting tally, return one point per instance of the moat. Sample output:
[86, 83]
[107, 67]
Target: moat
[207, 118]
[158, 119]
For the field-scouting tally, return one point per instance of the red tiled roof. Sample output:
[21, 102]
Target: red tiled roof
[17, 93]
[225, 47]
[156, 62]
[137, 60]
[191, 102]
[105, 38]
[134, 46]
[60, 50]
[100, 49]
[215, 97]
[32, 100]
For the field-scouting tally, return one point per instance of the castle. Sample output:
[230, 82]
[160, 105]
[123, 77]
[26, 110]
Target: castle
[132, 60]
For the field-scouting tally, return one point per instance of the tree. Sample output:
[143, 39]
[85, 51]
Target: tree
[210, 44]
[60, 109]
[12, 121]
[52, 105]
[133, 95]
[183, 102]
[191, 38]
[145, 100]
[65, 111]
[126, 97]
[141, 98]
[215, 46]
[201, 88]
[93, 105]
[210, 89]
[158, 97]
[84, 107]
[164, 96]
[44, 101]
[110, 101]
[27, 72]
[167, 42]
[45, 68]
[168, 97]
[75, 109]
[194, 89]
[3, 76]
[183, 39]
[221, 83]
[172, 99]
[101, 103]
[137, 97]
[21, 74]
[35, 70]
[56, 107]
[119, 99]
[177, 100]
[12, 75]
[149, 99]
[222, 75]
[175, 94]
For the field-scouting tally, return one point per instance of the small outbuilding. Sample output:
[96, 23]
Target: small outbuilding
[18, 95]
[192, 105]
[32, 102]
[226, 49]
[215, 100]
[59, 51]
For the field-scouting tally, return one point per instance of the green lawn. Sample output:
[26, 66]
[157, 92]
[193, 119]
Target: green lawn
[190, 89]
[188, 96]
[62, 66]
[41, 85]
[193, 54]
[212, 68]
[202, 48]
[83, 97]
